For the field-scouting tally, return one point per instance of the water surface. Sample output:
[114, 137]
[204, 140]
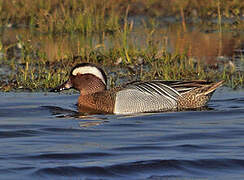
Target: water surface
[43, 136]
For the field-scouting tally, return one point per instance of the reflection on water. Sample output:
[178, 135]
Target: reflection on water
[206, 46]
[89, 120]
[43, 136]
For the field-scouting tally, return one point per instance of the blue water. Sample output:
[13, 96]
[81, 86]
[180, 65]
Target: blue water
[42, 136]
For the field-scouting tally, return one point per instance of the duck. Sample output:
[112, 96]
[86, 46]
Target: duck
[137, 96]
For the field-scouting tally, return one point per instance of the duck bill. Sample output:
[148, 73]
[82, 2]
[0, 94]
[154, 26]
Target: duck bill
[65, 86]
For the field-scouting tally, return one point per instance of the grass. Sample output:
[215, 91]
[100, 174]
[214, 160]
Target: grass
[62, 33]
[88, 16]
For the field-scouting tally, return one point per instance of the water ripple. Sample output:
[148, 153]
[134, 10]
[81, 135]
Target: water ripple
[164, 168]
[68, 156]
[43, 136]
[19, 133]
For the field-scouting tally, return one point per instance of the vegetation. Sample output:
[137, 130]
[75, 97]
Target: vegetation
[105, 15]
[58, 34]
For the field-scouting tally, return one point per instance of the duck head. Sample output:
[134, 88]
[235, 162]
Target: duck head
[86, 78]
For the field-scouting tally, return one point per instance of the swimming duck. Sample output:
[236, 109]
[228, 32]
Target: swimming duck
[135, 97]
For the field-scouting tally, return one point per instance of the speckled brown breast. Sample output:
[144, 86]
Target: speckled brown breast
[100, 102]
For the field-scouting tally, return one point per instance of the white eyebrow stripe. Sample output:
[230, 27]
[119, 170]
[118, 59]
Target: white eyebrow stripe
[89, 70]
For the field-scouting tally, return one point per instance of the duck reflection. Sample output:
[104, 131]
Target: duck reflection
[87, 119]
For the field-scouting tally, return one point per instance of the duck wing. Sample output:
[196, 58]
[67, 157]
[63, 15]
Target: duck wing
[203, 86]
[155, 88]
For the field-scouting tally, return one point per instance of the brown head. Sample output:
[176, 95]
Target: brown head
[86, 78]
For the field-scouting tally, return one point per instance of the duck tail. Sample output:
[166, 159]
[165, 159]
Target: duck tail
[213, 87]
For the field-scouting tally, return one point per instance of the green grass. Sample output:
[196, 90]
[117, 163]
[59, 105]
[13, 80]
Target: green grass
[88, 16]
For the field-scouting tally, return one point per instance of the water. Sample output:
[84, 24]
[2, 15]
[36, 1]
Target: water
[43, 136]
